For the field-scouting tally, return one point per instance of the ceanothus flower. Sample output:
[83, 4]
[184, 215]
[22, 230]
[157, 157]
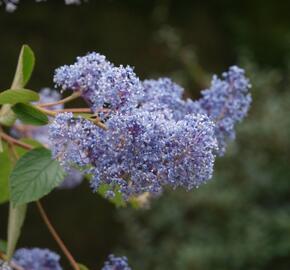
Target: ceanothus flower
[36, 259]
[226, 102]
[162, 94]
[140, 152]
[116, 263]
[148, 150]
[72, 139]
[102, 85]
[164, 90]
[154, 138]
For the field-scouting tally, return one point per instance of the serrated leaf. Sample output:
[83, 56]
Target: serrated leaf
[5, 170]
[34, 176]
[25, 66]
[30, 115]
[13, 96]
[16, 219]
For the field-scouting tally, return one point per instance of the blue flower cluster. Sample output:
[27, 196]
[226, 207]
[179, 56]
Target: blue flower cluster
[140, 152]
[162, 94]
[116, 263]
[226, 102]
[103, 85]
[36, 259]
[154, 137]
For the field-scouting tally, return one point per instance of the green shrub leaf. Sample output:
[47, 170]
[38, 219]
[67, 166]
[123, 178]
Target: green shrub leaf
[30, 115]
[24, 68]
[16, 219]
[13, 96]
[22, 75]
[34, 176]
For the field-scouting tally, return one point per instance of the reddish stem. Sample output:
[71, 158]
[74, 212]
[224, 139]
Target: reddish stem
[56, 237]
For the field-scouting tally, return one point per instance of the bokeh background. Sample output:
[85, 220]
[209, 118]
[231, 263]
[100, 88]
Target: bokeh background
[241, 219]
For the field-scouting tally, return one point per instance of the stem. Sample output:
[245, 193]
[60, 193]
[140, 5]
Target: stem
[98, 123]
[16, 266]
[11, 140]
[45, 111]
[62, 101]
[56, 237]
[75, 110]
[54, 112]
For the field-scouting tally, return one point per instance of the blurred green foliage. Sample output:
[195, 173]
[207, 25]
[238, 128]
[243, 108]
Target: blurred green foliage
[241, 220]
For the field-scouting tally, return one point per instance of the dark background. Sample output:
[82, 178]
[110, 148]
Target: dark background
[240, 220]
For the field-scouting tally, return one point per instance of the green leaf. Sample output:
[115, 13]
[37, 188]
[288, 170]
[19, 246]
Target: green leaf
[13, 96]
[16, 219]
[30, 115]
[23, 72]
[24, 68]
[5, 170]
[34, 176]
[3, 246]
[82, 267]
